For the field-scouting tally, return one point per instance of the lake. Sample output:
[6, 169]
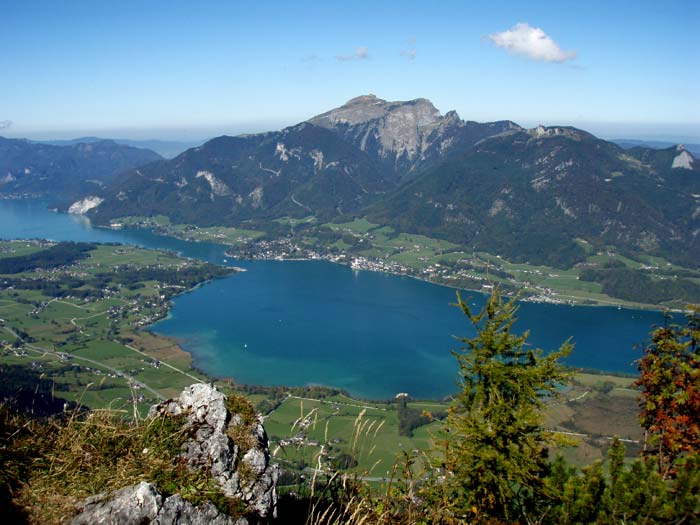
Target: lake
[314, 322]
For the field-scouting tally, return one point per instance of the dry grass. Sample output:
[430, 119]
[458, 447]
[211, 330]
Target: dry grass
[358, 498]
[241, 430]
[607, 415]
[50, 466]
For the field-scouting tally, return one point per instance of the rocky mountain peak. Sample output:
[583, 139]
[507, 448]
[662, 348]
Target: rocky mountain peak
[369, 107]
[559, 131]
[452, 116]
[365, 99]
[390, 130]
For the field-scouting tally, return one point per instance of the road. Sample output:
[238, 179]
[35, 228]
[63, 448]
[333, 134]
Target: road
[162, 362]
[295, 201]
[115, 371]
[336, 403]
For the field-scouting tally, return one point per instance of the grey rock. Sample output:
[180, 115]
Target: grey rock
[141, 503]
[206, 418]
[177, 511]
[204, 409]
[135, 504]
[396, 129]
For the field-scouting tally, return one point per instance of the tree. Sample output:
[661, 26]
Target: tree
[496, 447]
[670, 402]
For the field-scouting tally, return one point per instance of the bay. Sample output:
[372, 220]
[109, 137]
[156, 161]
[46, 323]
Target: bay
[314, 322]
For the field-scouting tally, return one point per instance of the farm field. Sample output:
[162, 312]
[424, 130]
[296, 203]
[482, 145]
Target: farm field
[317, 433]
[83, 323]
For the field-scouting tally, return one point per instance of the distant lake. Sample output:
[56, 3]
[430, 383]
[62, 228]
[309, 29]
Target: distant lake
[314, 322]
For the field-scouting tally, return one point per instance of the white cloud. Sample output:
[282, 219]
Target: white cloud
[361, 53]
[532, 42]
[4, 124]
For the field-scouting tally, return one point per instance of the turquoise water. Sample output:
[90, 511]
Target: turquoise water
[313, 322]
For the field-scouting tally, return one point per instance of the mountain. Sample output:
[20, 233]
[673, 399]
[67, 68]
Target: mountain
[165, 148]
[546, 195]
[335, 163]
[64, 172]
[404, 136]
[541, 195]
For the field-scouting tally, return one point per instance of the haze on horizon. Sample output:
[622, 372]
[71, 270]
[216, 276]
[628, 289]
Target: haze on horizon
[172, 70]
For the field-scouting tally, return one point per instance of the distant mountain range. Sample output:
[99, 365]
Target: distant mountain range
[655, 144]
[165, 148]
[544, 195]
[64, 172]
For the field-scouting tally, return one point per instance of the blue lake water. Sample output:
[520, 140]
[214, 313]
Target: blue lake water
[313, 322]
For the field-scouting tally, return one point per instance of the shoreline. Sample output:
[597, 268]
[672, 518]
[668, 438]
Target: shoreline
[557, 300]
[530, 299]
[538, 295]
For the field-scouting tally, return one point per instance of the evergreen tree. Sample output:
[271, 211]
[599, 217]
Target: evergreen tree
[496, 447]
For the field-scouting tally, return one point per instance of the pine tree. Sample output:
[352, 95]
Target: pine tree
[496, 447]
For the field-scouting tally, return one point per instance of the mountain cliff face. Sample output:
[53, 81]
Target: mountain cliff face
[404, 135]
[64, 172]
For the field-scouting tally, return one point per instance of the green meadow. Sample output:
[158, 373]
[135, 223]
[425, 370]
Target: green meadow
[92, 342]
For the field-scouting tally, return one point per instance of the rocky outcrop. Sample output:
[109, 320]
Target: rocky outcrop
[242, 469]
[142, 503]
[559, 131]
[683, 159]
[232, 447]
[83, 206]
[390, 130]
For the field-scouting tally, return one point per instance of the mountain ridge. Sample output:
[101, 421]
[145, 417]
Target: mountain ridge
[302, 169]
[548, 187]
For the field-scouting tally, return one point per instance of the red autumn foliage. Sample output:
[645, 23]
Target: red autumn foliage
[670, 379]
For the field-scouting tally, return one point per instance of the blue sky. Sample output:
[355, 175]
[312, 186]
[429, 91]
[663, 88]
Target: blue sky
[196, 69]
